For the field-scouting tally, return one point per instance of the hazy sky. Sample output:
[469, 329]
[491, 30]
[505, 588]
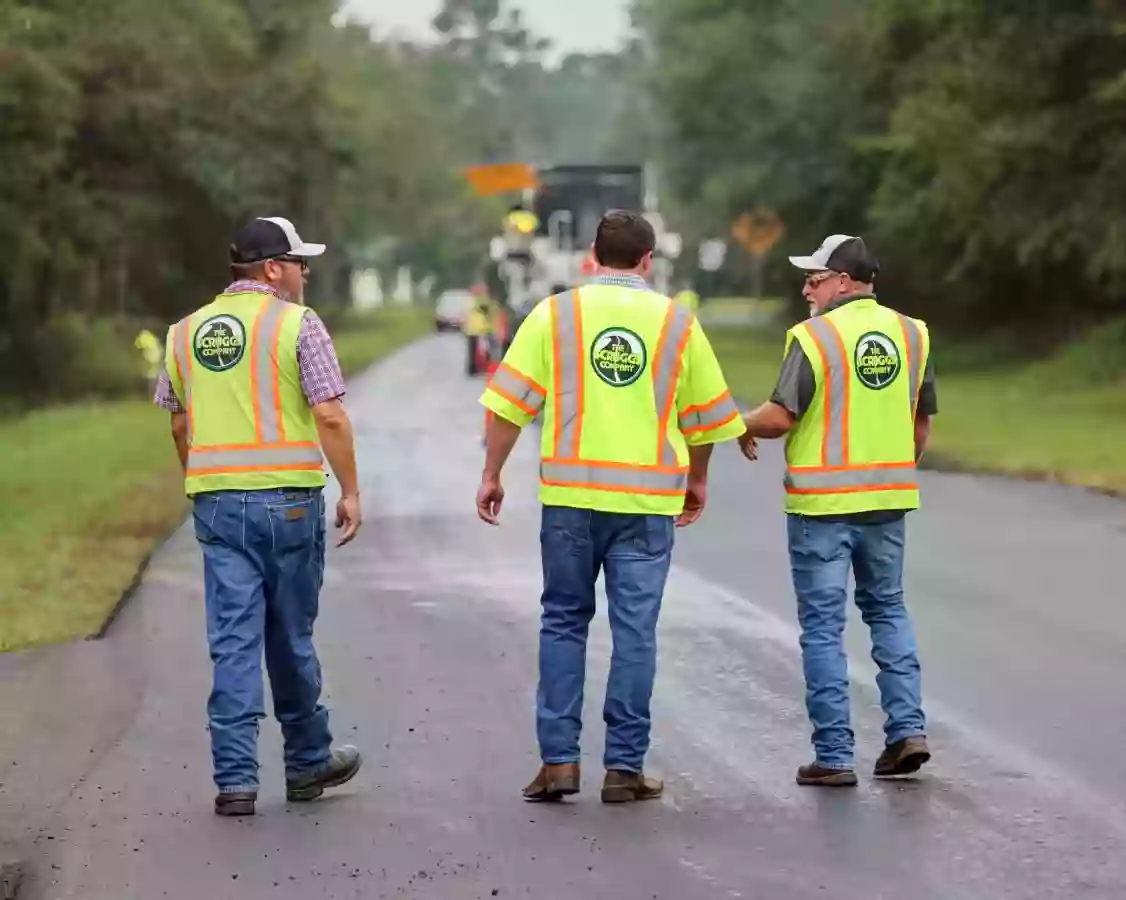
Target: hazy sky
[571, 24]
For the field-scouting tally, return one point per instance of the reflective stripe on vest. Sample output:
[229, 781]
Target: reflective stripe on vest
[565, 468]
[710, 416]
[835, 474]
[518, 389]
[270, 451]
[607, 477]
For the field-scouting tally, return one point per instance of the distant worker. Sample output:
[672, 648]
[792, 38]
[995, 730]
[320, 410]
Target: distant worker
[521, 220]
[688, 298]
[855, 399]
[254, 387]
[152, 354]
[633, 400]
[477, 328]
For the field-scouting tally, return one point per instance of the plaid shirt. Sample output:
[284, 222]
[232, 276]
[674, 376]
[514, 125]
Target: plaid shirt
[321, 378]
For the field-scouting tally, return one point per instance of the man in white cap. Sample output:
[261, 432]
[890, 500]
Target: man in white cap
[254, 389]
[854, 399]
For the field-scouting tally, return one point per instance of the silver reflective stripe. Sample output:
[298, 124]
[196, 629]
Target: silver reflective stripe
[521, 390]
[613, 478]
[664, 377]
[915, 352]
[709, 418]
[836, 385]
[892, 477]
[568, 380]
[265, 356]
[254, 457]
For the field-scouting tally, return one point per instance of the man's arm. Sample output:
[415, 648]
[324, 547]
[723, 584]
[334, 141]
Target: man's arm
[323, 385]
[922, 435]
[791, 398]
[501, 436]
[180, 437]
[926, 409]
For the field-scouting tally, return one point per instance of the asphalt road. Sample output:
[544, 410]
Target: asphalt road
[428, 642]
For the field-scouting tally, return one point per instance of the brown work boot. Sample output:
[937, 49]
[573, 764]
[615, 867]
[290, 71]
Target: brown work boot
[237, 804]
[904, 757]
[553, 783]
[625, 787]
[817, 775]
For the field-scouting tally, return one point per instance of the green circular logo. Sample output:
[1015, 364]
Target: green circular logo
[618, 356]
[877, 360]
[219, 343]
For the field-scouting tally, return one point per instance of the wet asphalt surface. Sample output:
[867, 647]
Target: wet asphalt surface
[427, 636]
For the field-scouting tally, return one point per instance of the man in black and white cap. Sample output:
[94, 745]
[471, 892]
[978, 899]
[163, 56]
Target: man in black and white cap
[854, 399]
[255, 392]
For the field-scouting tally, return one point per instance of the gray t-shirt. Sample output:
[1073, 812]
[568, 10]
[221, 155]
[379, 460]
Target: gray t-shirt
[795, 388]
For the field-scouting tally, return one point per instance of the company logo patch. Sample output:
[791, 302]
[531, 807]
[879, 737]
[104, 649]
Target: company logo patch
[618, 356]
[219, 343]
[877, 360]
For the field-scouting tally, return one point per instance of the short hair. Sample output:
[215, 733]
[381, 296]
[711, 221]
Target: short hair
[248, 271]
[623, 239]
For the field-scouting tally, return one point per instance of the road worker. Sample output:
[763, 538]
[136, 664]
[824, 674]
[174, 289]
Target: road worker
[254, 389]
[477, 327]
[854, 399]
[633, 401]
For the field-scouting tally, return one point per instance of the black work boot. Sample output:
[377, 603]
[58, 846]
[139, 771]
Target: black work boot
[904, 757]
[817, 775]
[343, 766]
[240, 803]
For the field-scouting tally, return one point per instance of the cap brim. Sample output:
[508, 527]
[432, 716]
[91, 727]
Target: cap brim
[808, 263]
[307, 250]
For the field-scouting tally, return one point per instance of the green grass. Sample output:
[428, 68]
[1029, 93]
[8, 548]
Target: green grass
[89, 489]
[1061, 418]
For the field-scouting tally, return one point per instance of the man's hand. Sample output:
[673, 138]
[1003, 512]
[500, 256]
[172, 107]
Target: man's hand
[695, 499]
[490, 496]
[749, 445]
[348, 517]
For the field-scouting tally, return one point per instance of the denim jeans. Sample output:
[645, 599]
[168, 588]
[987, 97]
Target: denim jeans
[821, 554]
[263, 563]
[635, 552]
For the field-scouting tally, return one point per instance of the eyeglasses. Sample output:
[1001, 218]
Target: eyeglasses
[815, 278]
[300, 260]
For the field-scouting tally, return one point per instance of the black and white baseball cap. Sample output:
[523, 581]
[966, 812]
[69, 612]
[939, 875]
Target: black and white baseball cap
[269, 238]
[841, 253]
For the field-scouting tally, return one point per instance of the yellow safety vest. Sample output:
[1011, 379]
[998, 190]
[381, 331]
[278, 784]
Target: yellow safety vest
[234, 366]
[854, 448]
[689, 300]
[627, 381]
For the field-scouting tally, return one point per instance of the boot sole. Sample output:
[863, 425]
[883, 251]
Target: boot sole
[303, 795]
[627, 795]
[238, 808]
[907, 765]
[556, 790]
[843, 779]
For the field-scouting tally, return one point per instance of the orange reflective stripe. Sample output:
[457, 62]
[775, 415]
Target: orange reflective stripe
[831, 480]
[275, 346]
[285, 456]
[183, 353]
[520, 376]
[511, 398]
[255, 369]
[567, 349]
[858, 489]
[913, 340]
[835, 383]
[232, 470]
[618, 477]
[221, 448]
[709, 416]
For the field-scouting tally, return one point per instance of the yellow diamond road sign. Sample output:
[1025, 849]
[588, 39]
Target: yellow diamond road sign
[758, 231]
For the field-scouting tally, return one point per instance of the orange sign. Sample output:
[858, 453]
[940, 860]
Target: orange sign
[501, 179]
[757, 232]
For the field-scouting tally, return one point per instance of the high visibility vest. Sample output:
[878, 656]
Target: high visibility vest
[234, 365]
[854, 448]
[689, 300]
[618, 416]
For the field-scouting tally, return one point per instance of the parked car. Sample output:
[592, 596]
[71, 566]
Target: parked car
[451, 309]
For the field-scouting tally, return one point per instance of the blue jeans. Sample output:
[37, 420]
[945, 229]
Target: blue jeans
[821, 554]
[263, 564]
[635, 552]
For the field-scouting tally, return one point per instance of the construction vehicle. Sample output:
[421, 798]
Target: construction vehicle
[551, 252]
